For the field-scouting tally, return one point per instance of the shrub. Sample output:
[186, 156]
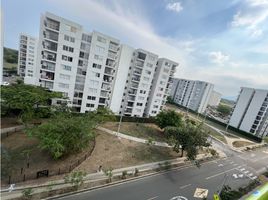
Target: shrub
[109, 174]
[136, 172]
[124, 174]
[75, 178]
[27, 193]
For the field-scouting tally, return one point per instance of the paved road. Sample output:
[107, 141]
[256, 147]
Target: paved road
[184, 182]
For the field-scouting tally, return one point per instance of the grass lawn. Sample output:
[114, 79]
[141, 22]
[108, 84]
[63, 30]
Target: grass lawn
[214, 133]
[111, 152]
[140, 130]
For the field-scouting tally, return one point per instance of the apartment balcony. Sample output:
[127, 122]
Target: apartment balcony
[22, 46]
[113, 47]
[132, 92]
[48, 66]
[102, 100]
[46, 84]
[112, 55]
[104, 94]
[50, 35]
[107, 79]
[49, 56]
[52, 24]
[128, 110]
[52, 46]
[106, 87]
[110, 63]
[137, 72]
[134, 86]
[131, 98]
[47, 75]
[135, 79]
[109, 71]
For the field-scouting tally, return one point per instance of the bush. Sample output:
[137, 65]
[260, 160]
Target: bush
[27, 193]
[109, 174]
[75, 178]
[168, 118]
[124, 174]
[136, 172]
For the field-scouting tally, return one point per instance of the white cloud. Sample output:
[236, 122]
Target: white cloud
[252, 15]
[218, 57]
[175, 6]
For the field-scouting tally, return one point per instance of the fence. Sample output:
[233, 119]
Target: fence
[243, 133]
[25, 174]
[5, 132]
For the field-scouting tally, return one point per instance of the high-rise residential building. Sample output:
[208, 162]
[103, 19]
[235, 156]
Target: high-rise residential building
[250, 113]
[192, 94]
[215, 99]
[27, 58]
[94, 70]
[161, 86]
[1, 46]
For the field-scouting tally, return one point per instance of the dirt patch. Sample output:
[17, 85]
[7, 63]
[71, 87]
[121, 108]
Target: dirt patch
[15, 162]
[9, 122]
[238, 144]
[118, 153]
[140, 130]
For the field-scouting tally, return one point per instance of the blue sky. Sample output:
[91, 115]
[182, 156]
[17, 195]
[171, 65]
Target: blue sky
[223, 42]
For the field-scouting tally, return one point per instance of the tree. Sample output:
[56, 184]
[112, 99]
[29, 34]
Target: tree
[75, 178]
[224, 109]
[188, 137]
[29, 101]
[168, 118]
[64, 133]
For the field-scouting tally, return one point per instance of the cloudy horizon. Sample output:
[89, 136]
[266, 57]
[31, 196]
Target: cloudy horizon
[224, 43]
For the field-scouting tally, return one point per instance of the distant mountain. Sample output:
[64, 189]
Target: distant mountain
[10, 59]
[227, 102]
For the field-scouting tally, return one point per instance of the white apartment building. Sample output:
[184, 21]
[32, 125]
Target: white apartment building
[161, 86]
[27, 58]
[250, 112]
[94, 70]
[1, 46]
[192, 94]
[215, 99]
[142, 82]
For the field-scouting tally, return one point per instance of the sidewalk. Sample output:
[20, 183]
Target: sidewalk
[97, 177]
[128, 137]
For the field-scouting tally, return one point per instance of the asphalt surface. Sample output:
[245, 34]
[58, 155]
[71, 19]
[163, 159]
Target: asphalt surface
[237, 170]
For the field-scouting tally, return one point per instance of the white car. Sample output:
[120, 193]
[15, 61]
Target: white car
[6, 83]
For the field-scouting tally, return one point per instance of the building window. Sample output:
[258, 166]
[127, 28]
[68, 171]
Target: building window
[67, 58]
[90, 105]
[92, 90]
[91, 98]
[69, 38]
[65, 76]
[66, 48]
[149, 65]
[97, 74]
[97, 66]
[99, 49]
[94, 83]
[101, 39]
[64, 85]
[98, 57]
[66, 67]
[148, 72]
[139, 104]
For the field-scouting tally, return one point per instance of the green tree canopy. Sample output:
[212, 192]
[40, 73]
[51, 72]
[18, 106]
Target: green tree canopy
[29, 100]
[168, 118]
[64, 133]
[188, 137]
[224, 109]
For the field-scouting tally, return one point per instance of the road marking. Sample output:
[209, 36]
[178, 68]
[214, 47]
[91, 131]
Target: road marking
[153, 198]
[232, 162]
[179, 198]
[254, 177]
[184, 186]
[251, 174]
[201, 193]
[243, 169]
[235, 164]
[220, 165]
[209, 177]
[239, 166]
[246, 172]
[265, 151]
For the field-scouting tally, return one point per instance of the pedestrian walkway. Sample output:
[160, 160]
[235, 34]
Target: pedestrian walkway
[128, 137]
[95, 177]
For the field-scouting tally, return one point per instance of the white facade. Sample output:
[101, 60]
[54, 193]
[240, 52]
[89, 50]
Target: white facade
[161, 86]
[27, 58]
[215, 99]
[192, 94]
[250, 111]
[1, 46]
[94, 70]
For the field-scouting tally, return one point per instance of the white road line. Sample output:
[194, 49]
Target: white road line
[209, 177]
[251, 174]
[153, 198]
[184, 186]
[254, 177]
[235, 164]
[243, 169]
[246, 172]
[239, 166]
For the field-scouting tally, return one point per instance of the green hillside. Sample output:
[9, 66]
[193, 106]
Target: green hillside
[10, 59]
